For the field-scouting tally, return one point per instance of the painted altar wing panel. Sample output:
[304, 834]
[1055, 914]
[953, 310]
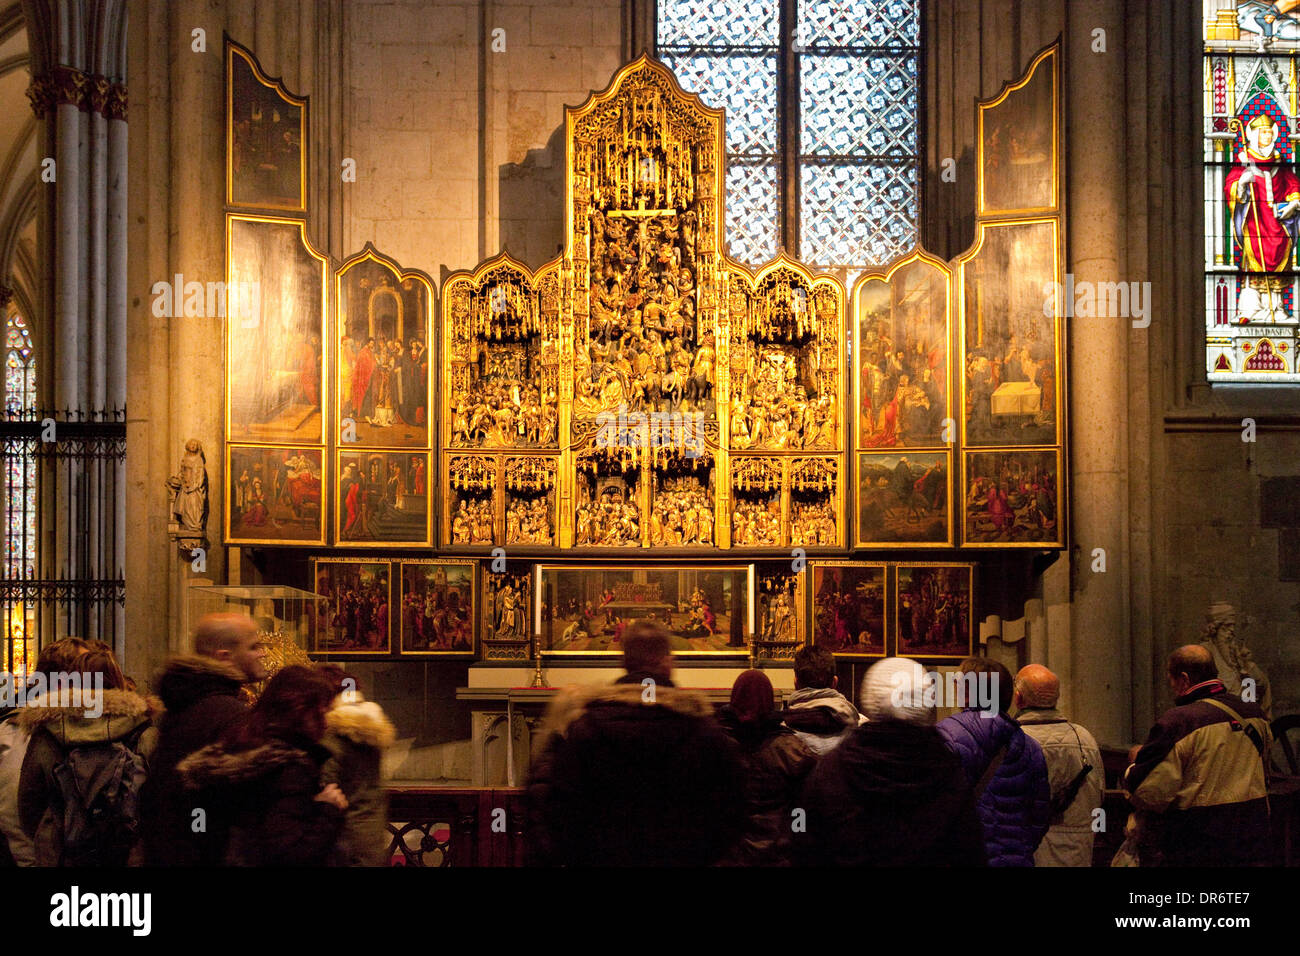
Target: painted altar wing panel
[437, 608]
[1013, 498]
[1012, 336]
[266, 132]
[274, 495]
[382, 498]
[1018, 159]
[275, 305]
[933, 611]
[847, 608]
[356, 618]
[383, 355]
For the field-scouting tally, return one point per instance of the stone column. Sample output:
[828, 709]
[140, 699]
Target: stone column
[78, 95]
[1097, 351]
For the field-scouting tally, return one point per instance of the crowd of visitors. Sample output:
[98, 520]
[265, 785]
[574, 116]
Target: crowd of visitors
[93, 773]
[642, 772]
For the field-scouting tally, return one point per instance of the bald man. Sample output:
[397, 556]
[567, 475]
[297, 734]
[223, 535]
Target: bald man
[1199, 780]
[1074, 770]
[202, 694]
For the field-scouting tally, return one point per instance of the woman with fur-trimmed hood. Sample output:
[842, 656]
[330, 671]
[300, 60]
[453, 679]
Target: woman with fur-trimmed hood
[73, 748]
[266, 772]
[357, 733]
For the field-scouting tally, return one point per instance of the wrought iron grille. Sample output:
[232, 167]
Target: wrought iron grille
[76, 585]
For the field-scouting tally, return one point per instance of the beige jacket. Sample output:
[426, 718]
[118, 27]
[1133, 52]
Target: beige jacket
[1069, 840]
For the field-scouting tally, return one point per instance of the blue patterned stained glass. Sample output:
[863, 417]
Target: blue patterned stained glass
[839, 23]
[857, 92]
[745, 86]
[854, 214]
[721, 23]
[751, 212]
[856, 105]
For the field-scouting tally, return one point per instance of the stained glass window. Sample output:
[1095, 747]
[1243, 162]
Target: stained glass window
[18, 637]
[1252, 192]
[832, 137]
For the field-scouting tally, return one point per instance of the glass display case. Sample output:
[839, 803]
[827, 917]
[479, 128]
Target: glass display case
[286, 617]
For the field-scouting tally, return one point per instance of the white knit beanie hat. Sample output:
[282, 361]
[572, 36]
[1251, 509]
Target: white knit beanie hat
[893, 689]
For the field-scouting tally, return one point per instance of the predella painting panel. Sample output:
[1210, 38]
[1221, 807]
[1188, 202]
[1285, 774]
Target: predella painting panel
[848, 609]
[437, 607]
[355, 617]
[383, 355]
[903, 498]
[1018, 139]
[902, 350]
[275, 359]
[933, 611]
[587, 610]
[1011, 365]
[383, 498]
[274, 495]
[265, 137]
[1013, 497]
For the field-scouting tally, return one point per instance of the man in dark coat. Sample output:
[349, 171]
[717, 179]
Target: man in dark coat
[638, 774]
[1003, 764]
[892, 794]
[202, 695]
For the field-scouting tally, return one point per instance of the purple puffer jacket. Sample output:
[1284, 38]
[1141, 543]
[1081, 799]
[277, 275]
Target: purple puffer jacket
[1014, 807]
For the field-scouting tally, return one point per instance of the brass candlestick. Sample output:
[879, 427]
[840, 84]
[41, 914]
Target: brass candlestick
[537, 661]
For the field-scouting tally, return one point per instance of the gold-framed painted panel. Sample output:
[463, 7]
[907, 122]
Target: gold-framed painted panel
[1012, 371]
[382, 499]
[277, 304]
[437, 608]
[357, 619]
[585, 608]
[1013, 497]
[266, 137]
[780, 615]
[904, 500]
[902, 354]
[275, 494]
[506, 615]
[847, 608]
[384, 364]
[934, 614]
[1018, 132]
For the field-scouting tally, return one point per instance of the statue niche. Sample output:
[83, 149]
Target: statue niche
[785, 365]
[502, 363]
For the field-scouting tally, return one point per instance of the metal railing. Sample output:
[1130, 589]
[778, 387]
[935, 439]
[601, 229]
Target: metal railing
[67, 469]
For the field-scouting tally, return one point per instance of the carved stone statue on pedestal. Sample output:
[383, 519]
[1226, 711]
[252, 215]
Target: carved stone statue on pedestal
[188, 490]
[1236, 664]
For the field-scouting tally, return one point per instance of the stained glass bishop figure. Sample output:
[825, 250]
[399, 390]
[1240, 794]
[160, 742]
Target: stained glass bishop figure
[1263, 196]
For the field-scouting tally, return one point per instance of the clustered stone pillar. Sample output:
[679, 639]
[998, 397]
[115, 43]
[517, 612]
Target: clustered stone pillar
[78, 93]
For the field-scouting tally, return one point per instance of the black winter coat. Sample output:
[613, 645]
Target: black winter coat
[891, 795]
[202, 699]
[270, 790]
[624, 780]
[775, 764]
